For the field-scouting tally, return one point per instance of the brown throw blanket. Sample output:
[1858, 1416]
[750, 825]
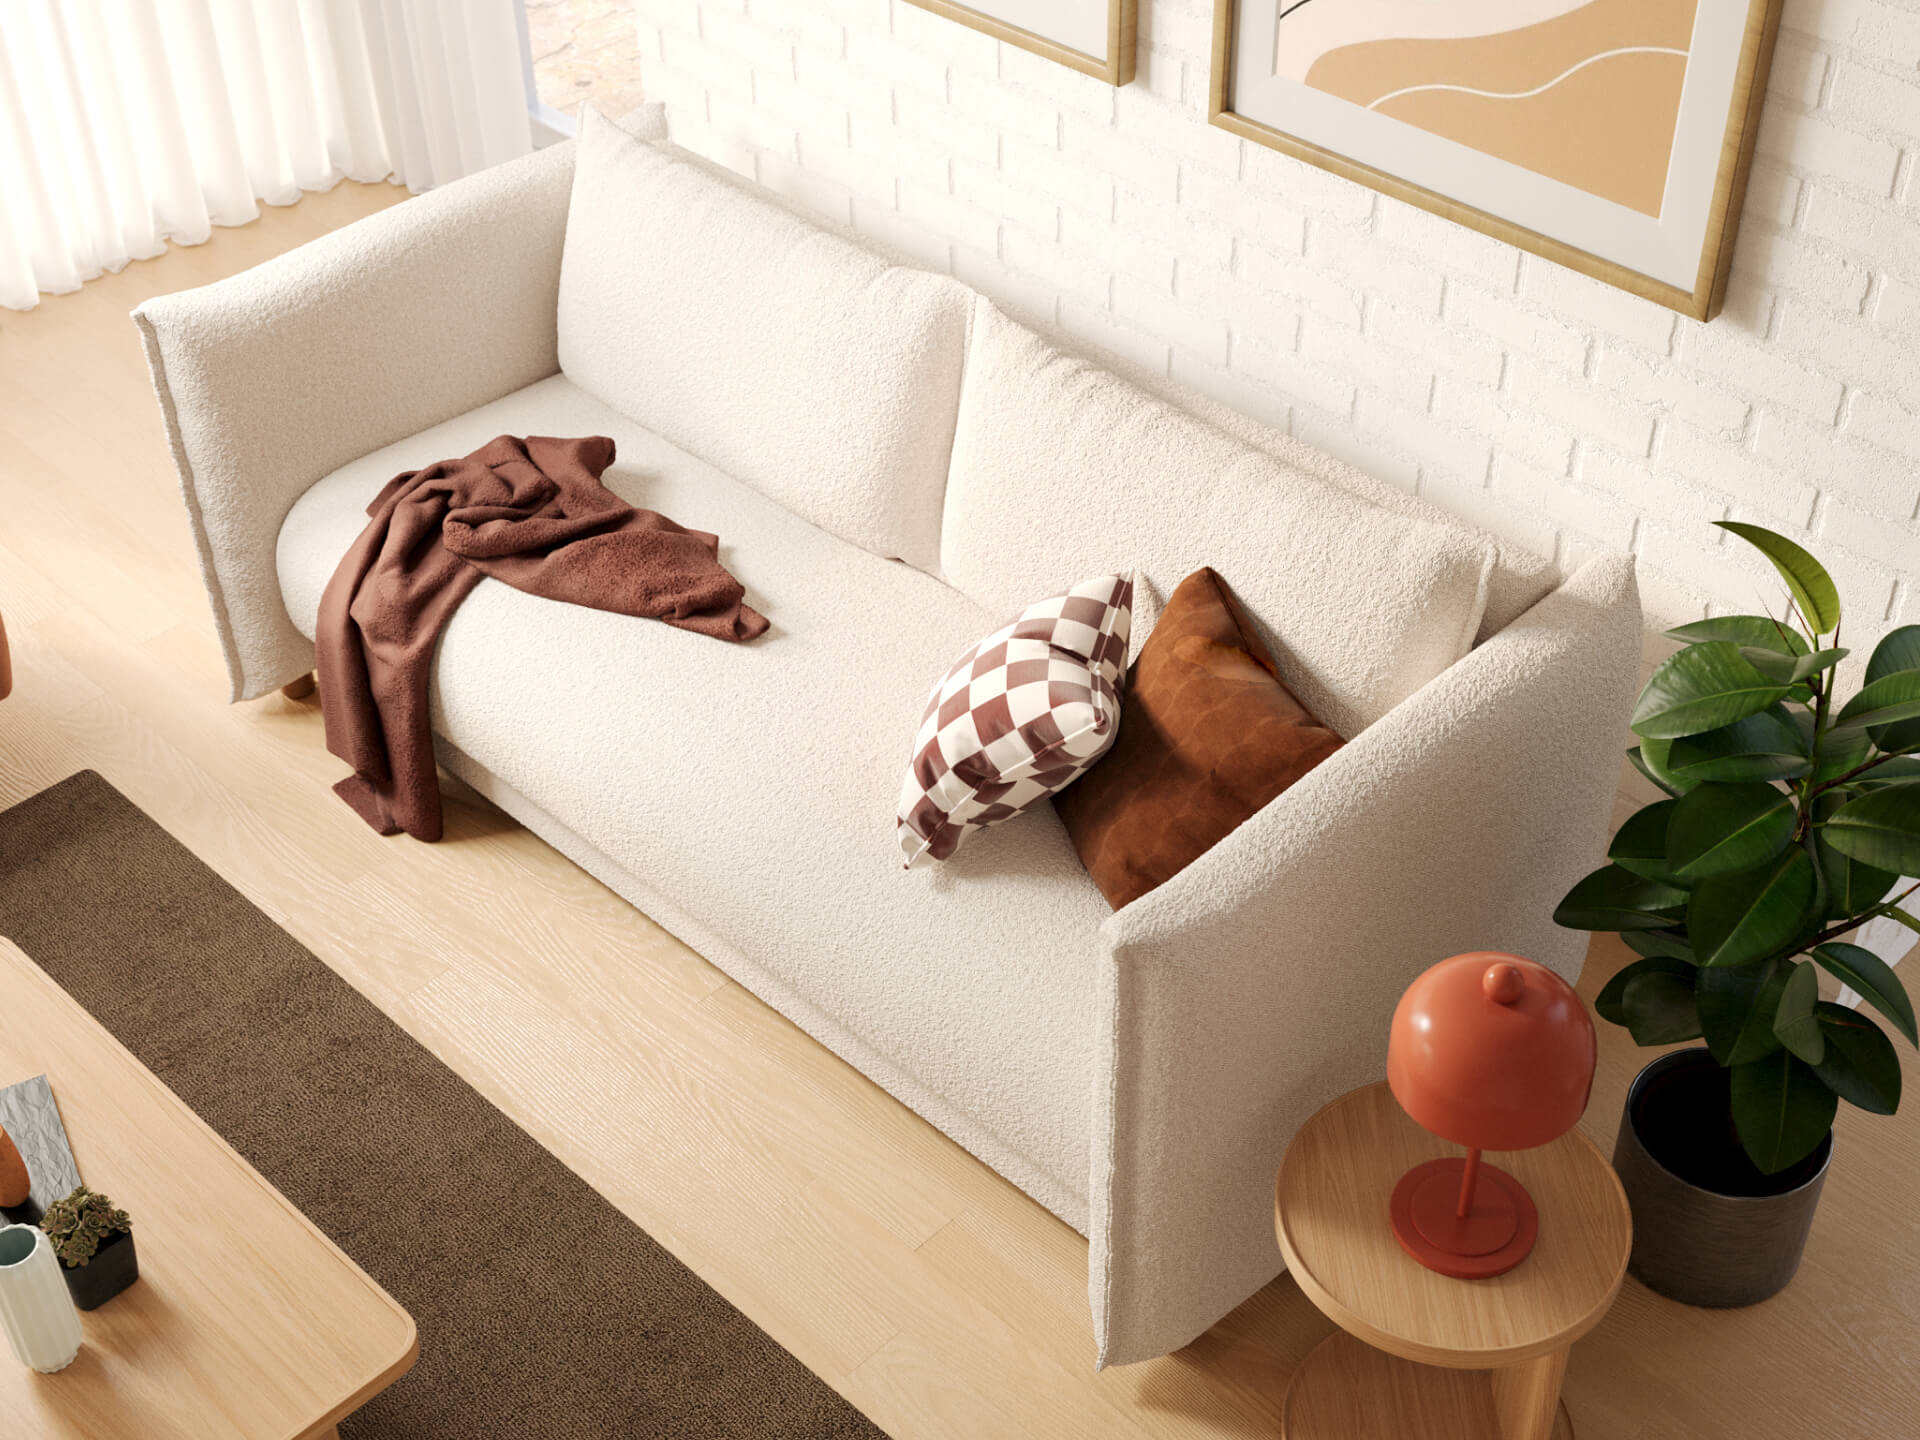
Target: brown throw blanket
[530, 512]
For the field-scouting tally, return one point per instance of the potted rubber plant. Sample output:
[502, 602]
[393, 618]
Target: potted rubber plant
[1791, 812]
[94, 1243]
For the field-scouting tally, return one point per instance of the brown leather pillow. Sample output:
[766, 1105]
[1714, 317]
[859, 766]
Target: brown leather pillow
[1209, 735]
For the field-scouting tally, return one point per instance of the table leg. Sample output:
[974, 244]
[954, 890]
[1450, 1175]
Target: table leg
[1526, 1396]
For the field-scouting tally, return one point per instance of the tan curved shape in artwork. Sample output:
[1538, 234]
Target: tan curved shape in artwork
[1590, 99]
[1307, 29]
[1577, 132]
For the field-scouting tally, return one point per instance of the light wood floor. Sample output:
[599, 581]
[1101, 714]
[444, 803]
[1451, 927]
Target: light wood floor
[924, 1288]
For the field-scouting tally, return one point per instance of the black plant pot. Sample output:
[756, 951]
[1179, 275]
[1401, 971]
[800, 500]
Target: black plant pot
[113, 1268]
[1709, 1228]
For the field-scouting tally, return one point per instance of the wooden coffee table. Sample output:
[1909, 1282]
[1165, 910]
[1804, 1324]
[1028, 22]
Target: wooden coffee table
[1421, 1356]
[246, 1323]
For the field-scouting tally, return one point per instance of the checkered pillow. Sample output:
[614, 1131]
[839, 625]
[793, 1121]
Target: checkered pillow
[1017, 717]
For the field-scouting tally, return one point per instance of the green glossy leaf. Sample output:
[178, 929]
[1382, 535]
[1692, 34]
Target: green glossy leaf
[1860, 1064]
[1820, 660]
[1805, 725]
[1905, 919]
[1781, 1108]
[1764, 746]
[1901, 738]
[1639, 762]
[1867, 973]
[1762, 631]
[1770, 663]
[1742, 918]
[1613, 898]
[1816, 916]
[1659, 1008]
[1793, 1020]
[1790, 669]
[1881, 828]
[1899, 650]
[1737, 1009]
[1721, 829]
[1812, 588]
[1702, 688]
[1852, 887]
[1609, 1004]
[1655, 755]
[1896, 770]
[1841, 751]
[1665, 943]
[1880, 703]
[1641, 844]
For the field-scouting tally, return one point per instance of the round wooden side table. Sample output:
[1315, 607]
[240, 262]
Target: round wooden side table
[1421, 1356]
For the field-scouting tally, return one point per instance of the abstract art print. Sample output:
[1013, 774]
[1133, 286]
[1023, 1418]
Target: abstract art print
[1095, 37]
[1612, 136]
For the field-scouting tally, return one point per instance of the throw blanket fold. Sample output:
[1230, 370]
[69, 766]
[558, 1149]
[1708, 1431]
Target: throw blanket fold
[530, 512]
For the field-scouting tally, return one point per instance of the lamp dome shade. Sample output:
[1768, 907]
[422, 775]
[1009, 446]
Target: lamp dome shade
[1492, 1052]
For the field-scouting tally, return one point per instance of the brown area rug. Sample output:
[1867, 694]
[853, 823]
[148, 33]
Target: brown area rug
[530, 1328]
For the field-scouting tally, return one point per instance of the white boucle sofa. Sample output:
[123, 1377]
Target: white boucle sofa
[892, 466]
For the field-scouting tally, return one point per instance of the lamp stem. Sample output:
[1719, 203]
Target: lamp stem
[1469, 1177]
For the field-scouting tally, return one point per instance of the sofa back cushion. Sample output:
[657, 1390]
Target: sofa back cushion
[803, 365]
[1061, 469]
[1521, 578]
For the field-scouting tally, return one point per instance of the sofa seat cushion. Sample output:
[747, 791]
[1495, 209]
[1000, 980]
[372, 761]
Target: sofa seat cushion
[755, 783]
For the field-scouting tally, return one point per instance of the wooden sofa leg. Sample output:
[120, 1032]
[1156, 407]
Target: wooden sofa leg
[298, 689]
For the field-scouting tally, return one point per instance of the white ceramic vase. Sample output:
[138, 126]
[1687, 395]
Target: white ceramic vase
[36, 1311]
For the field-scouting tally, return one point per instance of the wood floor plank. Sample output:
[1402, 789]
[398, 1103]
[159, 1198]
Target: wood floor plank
[1001, 1268]
[91, 572]
[917, 1282]
[911, 1179]
[627, 1131]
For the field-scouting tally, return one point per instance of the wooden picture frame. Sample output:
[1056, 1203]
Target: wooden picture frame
[1115, 65]
[1712, 213]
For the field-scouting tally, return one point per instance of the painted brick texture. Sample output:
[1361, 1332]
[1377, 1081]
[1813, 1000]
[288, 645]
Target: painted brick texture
[1562, 413]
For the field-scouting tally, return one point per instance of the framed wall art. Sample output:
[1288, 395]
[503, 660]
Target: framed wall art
[1095, 37]
[1612, 136]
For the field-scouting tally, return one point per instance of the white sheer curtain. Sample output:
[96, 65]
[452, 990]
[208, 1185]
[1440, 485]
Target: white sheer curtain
[125, 123]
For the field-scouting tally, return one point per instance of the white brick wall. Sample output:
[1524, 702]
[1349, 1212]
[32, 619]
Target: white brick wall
[1562, 413]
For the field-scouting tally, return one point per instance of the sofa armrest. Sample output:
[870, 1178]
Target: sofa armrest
[1257, 984]
[277, 376]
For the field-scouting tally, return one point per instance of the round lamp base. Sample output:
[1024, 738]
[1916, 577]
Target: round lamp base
[1495, 1235]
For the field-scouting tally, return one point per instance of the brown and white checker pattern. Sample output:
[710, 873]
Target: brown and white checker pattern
[1017, 717]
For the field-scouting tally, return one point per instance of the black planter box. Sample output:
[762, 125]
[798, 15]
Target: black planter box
[1709, 1228]
[113, 1268]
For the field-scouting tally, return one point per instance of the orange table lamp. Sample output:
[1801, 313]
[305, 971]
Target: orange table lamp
[1492, 1052]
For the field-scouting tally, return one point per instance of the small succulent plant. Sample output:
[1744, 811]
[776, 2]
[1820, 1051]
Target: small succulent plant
[80, 1224]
